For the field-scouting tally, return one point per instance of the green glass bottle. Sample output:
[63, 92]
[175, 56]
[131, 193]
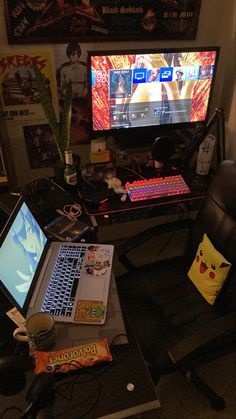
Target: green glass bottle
[70, 174]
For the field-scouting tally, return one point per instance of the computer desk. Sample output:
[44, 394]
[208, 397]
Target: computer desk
[126, 387]
[113, 211]
[122, 388]
[119, 389]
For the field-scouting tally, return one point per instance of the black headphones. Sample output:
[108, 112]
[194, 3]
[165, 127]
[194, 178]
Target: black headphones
[40, 397]
[163, 148]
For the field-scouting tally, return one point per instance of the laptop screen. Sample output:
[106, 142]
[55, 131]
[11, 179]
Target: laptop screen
[20, 253]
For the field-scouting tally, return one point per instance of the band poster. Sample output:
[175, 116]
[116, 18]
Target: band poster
[60, 21]
[19, 94]
[21, 108]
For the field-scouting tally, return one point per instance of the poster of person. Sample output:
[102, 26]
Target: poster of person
[32, 21]
[40, 146]
[18, 89]
[71, 66]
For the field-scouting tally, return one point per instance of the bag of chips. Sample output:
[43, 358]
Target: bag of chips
[70, 359]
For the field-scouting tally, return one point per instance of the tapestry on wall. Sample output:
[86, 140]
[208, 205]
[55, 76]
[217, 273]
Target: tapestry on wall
[59, 21]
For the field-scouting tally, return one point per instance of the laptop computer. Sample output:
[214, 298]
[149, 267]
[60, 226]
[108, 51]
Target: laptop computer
[68, 280]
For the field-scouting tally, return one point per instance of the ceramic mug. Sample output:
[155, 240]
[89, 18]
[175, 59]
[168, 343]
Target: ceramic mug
[39, 332]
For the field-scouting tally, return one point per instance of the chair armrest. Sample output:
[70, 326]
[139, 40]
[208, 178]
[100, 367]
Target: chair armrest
[136, 240]
[221, 330]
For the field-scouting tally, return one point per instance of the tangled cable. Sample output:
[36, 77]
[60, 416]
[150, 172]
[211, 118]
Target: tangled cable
[71, 211]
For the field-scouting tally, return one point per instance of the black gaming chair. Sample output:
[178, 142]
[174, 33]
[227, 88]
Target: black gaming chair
[175, 326]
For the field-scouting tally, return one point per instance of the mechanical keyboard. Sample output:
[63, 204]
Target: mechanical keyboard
[159, 187]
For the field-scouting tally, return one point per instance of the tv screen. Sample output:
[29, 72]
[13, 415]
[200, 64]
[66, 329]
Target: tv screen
[150, 88]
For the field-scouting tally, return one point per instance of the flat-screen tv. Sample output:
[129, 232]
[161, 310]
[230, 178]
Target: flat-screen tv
[144, 93]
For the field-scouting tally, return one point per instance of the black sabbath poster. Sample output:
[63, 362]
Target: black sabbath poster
[59, 21]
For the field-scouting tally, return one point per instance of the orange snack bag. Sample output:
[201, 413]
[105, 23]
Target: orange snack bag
[70, 359]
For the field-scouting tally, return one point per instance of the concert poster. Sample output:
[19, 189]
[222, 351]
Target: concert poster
[59, 21]
[18, 90]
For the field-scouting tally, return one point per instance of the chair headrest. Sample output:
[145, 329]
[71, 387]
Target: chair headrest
[219, 210]
[222, 189]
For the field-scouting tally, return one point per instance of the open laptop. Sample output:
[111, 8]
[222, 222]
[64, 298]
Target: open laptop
[68, 280]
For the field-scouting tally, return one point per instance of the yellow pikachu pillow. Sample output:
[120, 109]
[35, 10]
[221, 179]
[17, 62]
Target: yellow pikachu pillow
[209, 270]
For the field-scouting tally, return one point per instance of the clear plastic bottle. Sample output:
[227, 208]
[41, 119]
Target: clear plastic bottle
[70, 174]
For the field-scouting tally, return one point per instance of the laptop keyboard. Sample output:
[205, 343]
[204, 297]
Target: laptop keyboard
[60, 296]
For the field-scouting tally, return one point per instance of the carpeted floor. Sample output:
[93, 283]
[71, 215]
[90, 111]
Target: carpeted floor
[181, 400]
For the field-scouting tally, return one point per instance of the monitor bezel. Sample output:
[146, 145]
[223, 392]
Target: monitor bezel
[134, 136]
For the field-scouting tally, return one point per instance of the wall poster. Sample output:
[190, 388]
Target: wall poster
[60, 21]
[21, 107]
[40, 145]
[71, 65]
[18, 91]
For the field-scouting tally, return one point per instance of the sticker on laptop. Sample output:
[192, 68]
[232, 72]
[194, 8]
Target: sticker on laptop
[98, 261]
[90, 311]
